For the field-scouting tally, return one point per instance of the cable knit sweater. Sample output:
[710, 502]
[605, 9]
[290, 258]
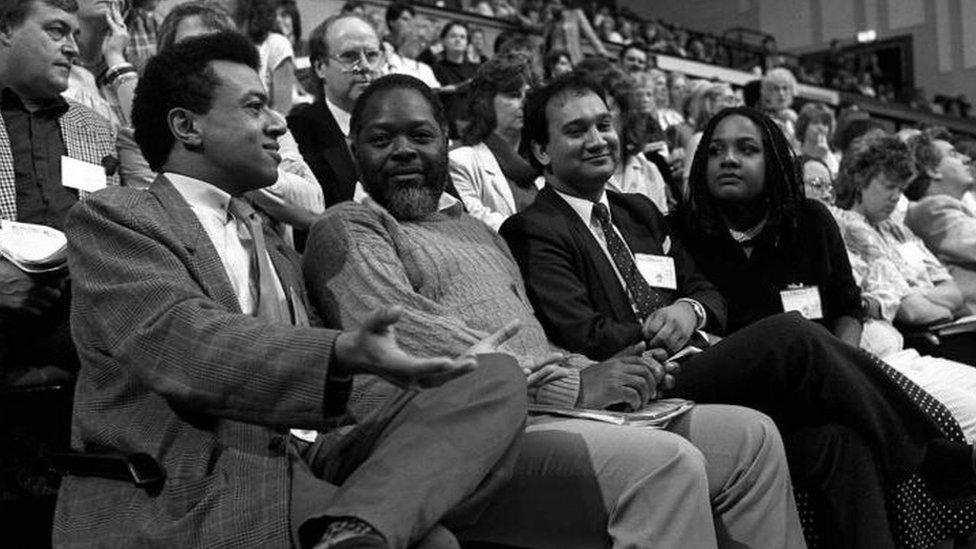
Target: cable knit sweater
[453, 276]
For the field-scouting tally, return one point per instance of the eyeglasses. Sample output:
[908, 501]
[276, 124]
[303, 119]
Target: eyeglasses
[351, 59]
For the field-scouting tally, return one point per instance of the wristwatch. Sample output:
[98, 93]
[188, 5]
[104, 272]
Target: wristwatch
[699, 311]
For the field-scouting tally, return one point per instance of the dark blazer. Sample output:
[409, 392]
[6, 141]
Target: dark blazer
[324, 148]
[170, 367]
[571, 282]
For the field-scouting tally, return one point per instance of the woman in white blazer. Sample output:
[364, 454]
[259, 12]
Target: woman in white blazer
[491, 178]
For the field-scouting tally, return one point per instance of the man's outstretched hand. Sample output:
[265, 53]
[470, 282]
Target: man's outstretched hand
[372, 349]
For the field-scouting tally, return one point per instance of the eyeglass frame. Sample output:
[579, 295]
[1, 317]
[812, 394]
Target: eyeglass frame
[361, 60]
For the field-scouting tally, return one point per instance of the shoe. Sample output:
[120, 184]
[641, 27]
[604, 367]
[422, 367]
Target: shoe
[350, 533]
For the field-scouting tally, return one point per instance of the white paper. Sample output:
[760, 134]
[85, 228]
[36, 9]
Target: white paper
[657, 270]
[806, 300]
[82, 175]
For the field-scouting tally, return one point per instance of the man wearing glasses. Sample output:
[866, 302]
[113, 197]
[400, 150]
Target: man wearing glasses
[346, 56]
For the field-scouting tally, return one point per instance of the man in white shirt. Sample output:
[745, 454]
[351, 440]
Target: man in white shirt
[198, 348]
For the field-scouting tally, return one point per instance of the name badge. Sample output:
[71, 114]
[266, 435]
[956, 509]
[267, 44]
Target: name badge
[81, 175]
[657, 270]
[805, 299]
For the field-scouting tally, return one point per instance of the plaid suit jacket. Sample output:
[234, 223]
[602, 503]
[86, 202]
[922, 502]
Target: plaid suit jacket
[87, 136]
[170, 367]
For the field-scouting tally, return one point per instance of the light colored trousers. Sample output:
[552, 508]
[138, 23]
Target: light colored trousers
[716, 478]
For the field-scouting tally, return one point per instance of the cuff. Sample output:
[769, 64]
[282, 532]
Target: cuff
[562, 392]
[699, 311]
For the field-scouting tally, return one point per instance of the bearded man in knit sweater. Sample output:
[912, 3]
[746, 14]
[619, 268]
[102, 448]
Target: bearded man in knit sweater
[717, 477]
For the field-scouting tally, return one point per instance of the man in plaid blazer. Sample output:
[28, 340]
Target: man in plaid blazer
[180, 359]
[37, 128]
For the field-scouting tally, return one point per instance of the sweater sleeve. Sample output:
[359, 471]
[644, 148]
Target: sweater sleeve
[352, 267]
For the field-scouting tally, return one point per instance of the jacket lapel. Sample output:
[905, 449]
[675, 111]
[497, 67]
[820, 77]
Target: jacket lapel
[496, 177]
[206, 266]
[336, 152]
[8, 188]
[606, 284]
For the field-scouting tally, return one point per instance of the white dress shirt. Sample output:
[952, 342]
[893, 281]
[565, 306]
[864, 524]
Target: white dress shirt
[209, 204]
[584, 209]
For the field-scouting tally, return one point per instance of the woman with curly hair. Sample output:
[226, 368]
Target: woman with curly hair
[491, 178]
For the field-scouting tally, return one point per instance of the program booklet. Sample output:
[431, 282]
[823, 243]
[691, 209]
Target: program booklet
[657, 414]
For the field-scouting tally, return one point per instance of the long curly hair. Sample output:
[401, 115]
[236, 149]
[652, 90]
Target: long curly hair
[783, 189]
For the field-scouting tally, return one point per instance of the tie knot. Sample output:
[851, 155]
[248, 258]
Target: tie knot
[240, 209]
[602, 213]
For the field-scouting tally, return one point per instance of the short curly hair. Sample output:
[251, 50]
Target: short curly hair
[927, 159]
[815, 112]
[181, 77]
[505, 73]
[874, 154]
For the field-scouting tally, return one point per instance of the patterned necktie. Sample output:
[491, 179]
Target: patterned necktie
[262, 281]
[645, 298]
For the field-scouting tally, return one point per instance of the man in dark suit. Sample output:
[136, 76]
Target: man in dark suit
[346, 56]
[197, 348]
[604, 272]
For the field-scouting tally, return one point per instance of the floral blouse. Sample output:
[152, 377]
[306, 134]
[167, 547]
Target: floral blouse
[889, 261]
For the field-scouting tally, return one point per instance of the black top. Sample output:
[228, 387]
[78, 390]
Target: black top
[752, 285]
[37, 147]
[448, 72]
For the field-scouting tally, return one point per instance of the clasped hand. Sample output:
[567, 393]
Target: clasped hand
[20, 292]
[630, 379]
[670, 327]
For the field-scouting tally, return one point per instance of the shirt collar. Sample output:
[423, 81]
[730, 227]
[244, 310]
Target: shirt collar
[200, 194]
[55, 107]
[584, 207]
[341, 117]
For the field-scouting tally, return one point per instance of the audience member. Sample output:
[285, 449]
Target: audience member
[634, 58]
[288, 22]
[599, 484]
[762, 243]
[874, 171]
[576, 248]
[40, 129]
[454, 70]
[938, 215]
[142, 25]
[556, 63]
[491, 178]
[296, 197]
[814, 132]
[257, 19]
[667, 113]
[411, 40]
[346, 56]
[216, 418]
[778, 90]
[477, 49]
[568, 25]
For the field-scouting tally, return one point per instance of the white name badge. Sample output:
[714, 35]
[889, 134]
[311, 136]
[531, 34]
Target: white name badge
[805, 299]
[657, 270]
[82, 175]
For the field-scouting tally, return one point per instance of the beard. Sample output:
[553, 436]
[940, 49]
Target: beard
[408, 201]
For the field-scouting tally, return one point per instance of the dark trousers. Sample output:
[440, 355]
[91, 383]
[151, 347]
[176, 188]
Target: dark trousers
[436, 458]
[797, 373]
[832, 402]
